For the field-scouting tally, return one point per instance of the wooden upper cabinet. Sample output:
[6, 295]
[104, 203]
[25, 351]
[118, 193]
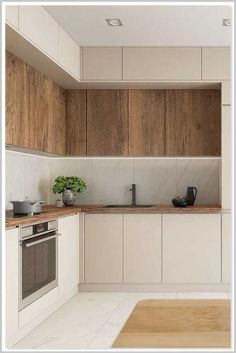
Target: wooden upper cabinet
[162, 63]
[146, 122]
[76, 122]
[107, 123]
[39, 27]
[193, 123]
[102, 63]
[216, 63]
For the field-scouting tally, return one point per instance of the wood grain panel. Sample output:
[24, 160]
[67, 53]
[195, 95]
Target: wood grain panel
[76, 122]
[147, 122]
[193, 123]
[177, 324]
[107, 123]
[35, 108]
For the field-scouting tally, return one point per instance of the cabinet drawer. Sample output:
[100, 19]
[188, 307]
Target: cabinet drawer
[102, 63]
[159, 63]
[216, 63]
[37, 25]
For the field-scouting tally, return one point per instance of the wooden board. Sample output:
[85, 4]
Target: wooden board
[107, 123]
[146, 122]
[193, 123]
[177, 324]
[76, 122]
[35, 108]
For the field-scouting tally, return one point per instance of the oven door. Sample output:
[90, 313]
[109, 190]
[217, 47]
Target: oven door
[38, 267]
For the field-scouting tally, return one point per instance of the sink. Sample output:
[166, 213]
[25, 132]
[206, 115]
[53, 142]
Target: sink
[128, 206]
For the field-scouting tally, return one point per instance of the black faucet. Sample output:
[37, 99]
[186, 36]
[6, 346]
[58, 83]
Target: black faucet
[133, 189]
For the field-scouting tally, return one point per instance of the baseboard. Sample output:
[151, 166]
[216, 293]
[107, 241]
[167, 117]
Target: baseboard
[138, 287]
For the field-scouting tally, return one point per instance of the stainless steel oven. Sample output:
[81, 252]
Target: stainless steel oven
[38, 261]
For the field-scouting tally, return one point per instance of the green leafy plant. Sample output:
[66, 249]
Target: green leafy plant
[73, 183]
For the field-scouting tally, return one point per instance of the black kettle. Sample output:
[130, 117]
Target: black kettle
[191, 195]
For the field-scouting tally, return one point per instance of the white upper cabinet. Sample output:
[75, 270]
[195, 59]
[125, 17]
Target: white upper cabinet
[102, 63]
[68, 53]
[192, 248]
[38, 26]
[142, 248]
[12, 15]
[162, 63]
[216, 63]
[12, 275]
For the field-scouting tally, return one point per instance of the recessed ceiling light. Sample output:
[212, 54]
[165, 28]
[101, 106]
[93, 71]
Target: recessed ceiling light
[226, 22]
[114, 22]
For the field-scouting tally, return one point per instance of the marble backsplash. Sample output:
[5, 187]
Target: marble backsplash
[108, 179]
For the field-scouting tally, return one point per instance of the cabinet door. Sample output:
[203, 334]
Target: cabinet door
[12, 275]
[192, 248]
[103, 248]
[12, 15]
[216, 63]
[146, 122]
[142, 248]
[102, 63]
[38, 26]
[68, 52]
[162, 63]
[226, 248]
[193, 121]
[107, 123]
[68, 255]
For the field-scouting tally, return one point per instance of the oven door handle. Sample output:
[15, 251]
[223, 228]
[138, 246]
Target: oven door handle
[28, 245]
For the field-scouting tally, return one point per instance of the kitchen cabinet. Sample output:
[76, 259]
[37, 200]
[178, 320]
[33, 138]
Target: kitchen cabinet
[102, 63]
[162, 63]
[12, 275]
[37, 25]
[68, 228]
[75, 123]
[226, 155]
[226, 248]
[103, 248]
[146, 122]
[142, 248]
[193, 123]
[216, 63]
[226, 94]
[107, 123]
[192, 248]
[12, 15]
[68, 52]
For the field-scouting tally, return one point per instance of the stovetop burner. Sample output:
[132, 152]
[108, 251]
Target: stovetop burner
[10, 214]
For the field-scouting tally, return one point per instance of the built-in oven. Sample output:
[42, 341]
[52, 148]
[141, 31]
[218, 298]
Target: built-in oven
[38, 252]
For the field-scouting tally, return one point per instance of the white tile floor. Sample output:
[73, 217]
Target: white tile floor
[93, 320]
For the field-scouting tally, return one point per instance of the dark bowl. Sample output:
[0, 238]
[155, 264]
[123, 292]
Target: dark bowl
[180, 202]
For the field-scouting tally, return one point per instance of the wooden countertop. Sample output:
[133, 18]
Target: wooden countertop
[51, 212]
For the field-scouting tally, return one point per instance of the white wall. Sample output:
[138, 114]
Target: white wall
[108, 179]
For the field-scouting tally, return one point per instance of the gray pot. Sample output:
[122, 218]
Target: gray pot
[68, 197]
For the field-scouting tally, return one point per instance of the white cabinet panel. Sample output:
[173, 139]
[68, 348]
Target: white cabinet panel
[216, 63]
[102, 63]
[226, 154]
[12, 15]
[142, 248]
[68, 53]
[226, 248]
[226, 94]
[192, 248]
[68, 254]
[103, 248]
[37, 25]
[162, 63]
[12, 244]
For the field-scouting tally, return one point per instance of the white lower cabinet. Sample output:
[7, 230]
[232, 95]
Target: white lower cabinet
[68, 228]
[226, 248]
[103, 248]
[192, 248]
[142, 248]
[12, 244]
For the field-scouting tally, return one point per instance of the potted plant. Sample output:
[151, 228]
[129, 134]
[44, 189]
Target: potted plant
[68, 186]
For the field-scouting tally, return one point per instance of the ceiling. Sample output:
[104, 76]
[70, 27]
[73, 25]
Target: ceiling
[145, 25]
